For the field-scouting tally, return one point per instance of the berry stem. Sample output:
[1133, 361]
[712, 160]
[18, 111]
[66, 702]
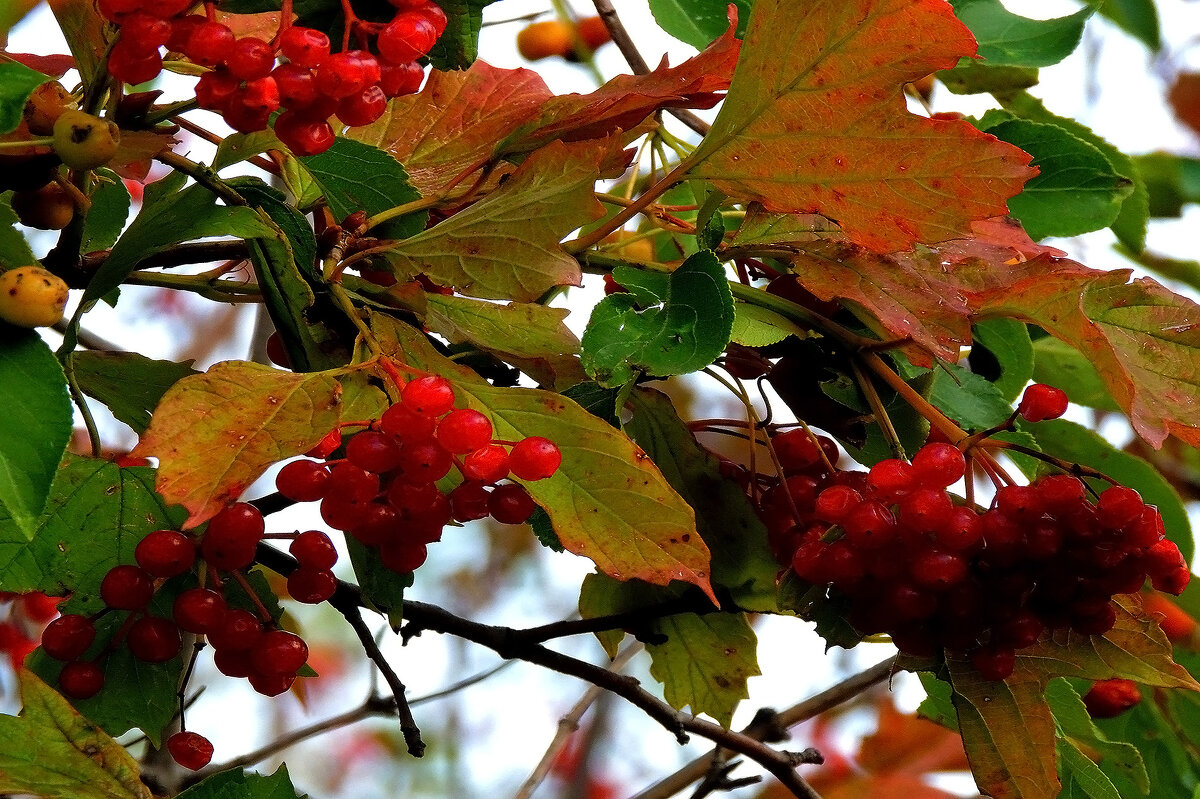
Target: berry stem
[403, 210]
[867, 387]
[913, 397]
[181, 692]
[41, 141]
[263, 613]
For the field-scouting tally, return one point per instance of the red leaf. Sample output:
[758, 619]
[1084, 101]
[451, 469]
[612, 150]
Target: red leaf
[53, 65]
[816, 122]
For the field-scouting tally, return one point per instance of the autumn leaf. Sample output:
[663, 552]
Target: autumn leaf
[52, 751]
[214, 434]
[608, 501]
[815, 122]
[705, 662]
[506, 246]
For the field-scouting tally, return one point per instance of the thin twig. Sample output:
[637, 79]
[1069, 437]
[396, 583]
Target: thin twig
[408, 725]
[802, 711]
[568, 724]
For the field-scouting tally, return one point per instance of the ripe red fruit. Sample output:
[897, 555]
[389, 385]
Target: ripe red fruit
[333, 439]
[403, 557]
[278, 653]
[364, 107]
[406, 424]
[297, 89]
[797, 450]
[469, 501]
[314, 549]
[304, 47]
[1041, 402]
[938, 465]
[425, 462]
[271, 684]
[303, 481]
[1108, 698]
[304, 135]
[534, 458]
[397, 80]
[199, 610]
[511, 504]
[209, 43]
[232, 536]
[349, 483]
[892, 476]
[129, 63]
[250, 58]
[431, 395]
[593, 32]
[406, 38]
[68, 637]
[215, 90]
[488, 464]
[153, 639]
[238, 631]
[994, 663]
[346, 73]
[311, 585]
[81, 680]
[464, 430]
[166, 553]
[190, 750]
[127, 588]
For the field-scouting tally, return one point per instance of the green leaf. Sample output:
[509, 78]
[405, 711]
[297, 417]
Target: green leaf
[240, 784]
[254, 416]
[17, 82]
[358, 177]
[742, 560]
[523, 330]
[1078, 190]
[755, 326]
[1060, 365]
[938, 704]
[974, 77]
[109, 211]
[705, 662]
[35, 426]
[595, 399]
[506, 246]
[685, 328]
[698, 22]
[382, 588]
[608, 501]
[1120, 760]
[458, 47]
[1138, 18]
[1006, 343]
[238, 147]
[1077, 444]
[129, 384]
[971, 401]
[1172, 181]
[601, 595]
[1011, 40]
[1171, 768]
[1130, 224]
[51, 751]
[64, 553]
[14, 249]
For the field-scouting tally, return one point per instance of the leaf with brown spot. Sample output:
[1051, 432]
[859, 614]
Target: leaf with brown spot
[216, 433]
[815, 122]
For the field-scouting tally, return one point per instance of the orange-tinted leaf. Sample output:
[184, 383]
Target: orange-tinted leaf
[1008, 731]
[907, 743]
[815, 122]
[1184, 97]
[870, 786]
[626, 100]
[214, 434]
[506, 246]
[455, 121]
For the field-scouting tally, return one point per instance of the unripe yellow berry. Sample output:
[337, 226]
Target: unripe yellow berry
[30, 296]
[83, 141]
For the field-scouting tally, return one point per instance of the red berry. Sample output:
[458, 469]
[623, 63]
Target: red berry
[1020, 503]
[271, 684]
[892, 476]
[406, 424]
[994, 663]
[310, 585]
[870, 525]
[250, 58]
[511, 504]
[68, 637]
[488, 464]
[130, 64]
[1119, 506]
[233, 662]
[938, 465]
[190, 750]
[363, 108]
[1109, 698]
[469, 501]
[215, 90]
[926, 509]
[303, 481]
[305, 136]
[258, 96]
[346, 73]
[938, 571]
[1041, 402]
[182, 30]
[297, 88]
[403, 557]
[834, 503]
[464, 430]
[349, 483]
[534, 458]
[81, 680]
[314, 549]
[278, 653]
[425, 462]
[397, 80]
[304, 47]
[238, 631]
[154, 640]
[127, 588]
[406, 38]
[244, 118]
[372, 524]
[797, 450]
[431, 395]
[209, 43]
[166, 553]
[199, 610]
[232, 536]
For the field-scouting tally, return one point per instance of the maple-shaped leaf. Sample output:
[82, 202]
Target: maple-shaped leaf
[815, 122]
[607, 501]
[506, 246]
[216, 433]
[454, 122]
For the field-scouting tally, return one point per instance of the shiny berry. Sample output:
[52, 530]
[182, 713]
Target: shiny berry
[154, 640]
[81, 680]
[190, 750]
[166, 553]
[534, 458]
[68, 637]
[1041, 402]
[127, 588]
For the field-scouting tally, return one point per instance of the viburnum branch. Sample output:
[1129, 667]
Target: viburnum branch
[815, 705]
[203, 175]
[691, 603]
[180, 255]
[633, 209]
[913, 397]
[231, 291]
[568, 725]
[408, 725]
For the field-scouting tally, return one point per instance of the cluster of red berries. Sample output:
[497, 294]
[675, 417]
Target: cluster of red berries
[25, 615]
[311, 83]
[384, 491]
[902, 556]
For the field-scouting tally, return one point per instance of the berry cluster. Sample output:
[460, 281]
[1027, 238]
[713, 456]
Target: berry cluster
[384, 491]
[311, 83]
[902, 556]
[25, 616]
